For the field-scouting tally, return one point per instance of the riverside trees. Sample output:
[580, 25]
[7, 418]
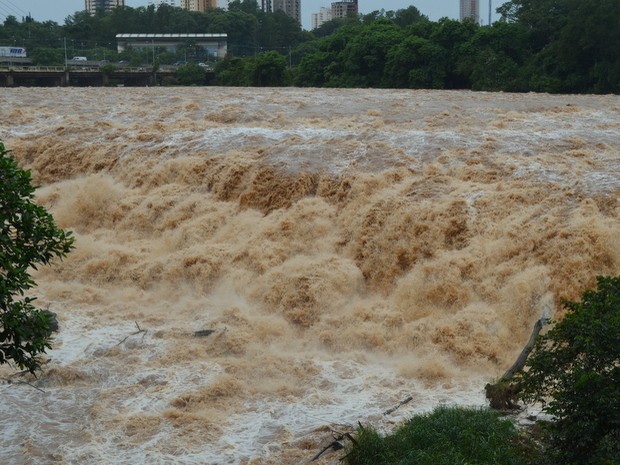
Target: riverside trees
[28, 238]
[575, 43]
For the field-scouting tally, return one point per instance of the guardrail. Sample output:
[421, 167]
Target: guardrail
[73, 69]
[54, 69]
[92, 69]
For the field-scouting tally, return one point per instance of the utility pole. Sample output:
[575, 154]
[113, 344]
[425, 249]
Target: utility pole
[154, 68]
[66, 80]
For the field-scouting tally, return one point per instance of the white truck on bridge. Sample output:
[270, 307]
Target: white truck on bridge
[13, 52]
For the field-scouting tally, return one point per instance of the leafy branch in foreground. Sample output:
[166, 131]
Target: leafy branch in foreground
[28, 237]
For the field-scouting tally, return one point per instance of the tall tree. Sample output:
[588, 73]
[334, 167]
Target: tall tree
[408, 16]
[452, 35]
[366, 53]
[576, 42]
[496, 58]
[544, 18]
[268, 69]
[416, 63]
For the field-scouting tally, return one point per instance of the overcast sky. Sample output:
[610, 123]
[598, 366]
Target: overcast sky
[58, 10]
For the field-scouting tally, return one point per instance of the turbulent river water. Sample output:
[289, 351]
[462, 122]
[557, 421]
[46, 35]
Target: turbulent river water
[337, 250]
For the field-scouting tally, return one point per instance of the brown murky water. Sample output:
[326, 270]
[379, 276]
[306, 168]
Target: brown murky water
[348, 248]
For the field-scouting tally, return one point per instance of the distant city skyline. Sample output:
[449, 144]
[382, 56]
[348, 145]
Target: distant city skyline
[43, 10]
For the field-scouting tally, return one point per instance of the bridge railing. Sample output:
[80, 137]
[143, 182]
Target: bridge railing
[71, 69]
[24, 69]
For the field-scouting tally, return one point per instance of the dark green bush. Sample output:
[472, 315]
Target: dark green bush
[446, 436]
[191, 75]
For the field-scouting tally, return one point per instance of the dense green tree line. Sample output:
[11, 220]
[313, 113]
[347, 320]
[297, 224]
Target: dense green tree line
[539, 45]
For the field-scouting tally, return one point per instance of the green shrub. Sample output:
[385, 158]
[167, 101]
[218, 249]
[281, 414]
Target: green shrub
[108, 69]
[446, 436]
[191, 75]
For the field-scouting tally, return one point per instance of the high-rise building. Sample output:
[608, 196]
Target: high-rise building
[267, 6]
[290, 7]
[324, 15]
[198, 5]
[470, 9]
[91, 6]
[157, 3]
[344, 8]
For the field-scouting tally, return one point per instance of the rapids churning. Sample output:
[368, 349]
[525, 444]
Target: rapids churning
[343, 249]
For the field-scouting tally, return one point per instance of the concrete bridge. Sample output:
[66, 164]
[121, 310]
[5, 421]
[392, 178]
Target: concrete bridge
[58, 76]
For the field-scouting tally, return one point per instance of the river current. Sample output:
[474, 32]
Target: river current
[258, 268]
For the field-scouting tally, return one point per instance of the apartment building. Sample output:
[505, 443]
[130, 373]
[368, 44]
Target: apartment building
[267, 6]
[470, 9]
[344, 8]
[290, 7]
[91, 6]
[324, 15]
[198, 5]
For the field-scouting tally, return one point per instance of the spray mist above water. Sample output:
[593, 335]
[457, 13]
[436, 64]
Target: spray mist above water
[253, 265]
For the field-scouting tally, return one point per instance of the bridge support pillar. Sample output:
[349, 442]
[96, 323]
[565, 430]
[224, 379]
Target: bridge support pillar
[10, 80]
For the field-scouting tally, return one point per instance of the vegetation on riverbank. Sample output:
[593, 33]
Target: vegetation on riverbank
[560, 46]
[448, 436]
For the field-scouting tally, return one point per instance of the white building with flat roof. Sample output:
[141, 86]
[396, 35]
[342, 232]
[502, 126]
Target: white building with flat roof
[215, 45]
